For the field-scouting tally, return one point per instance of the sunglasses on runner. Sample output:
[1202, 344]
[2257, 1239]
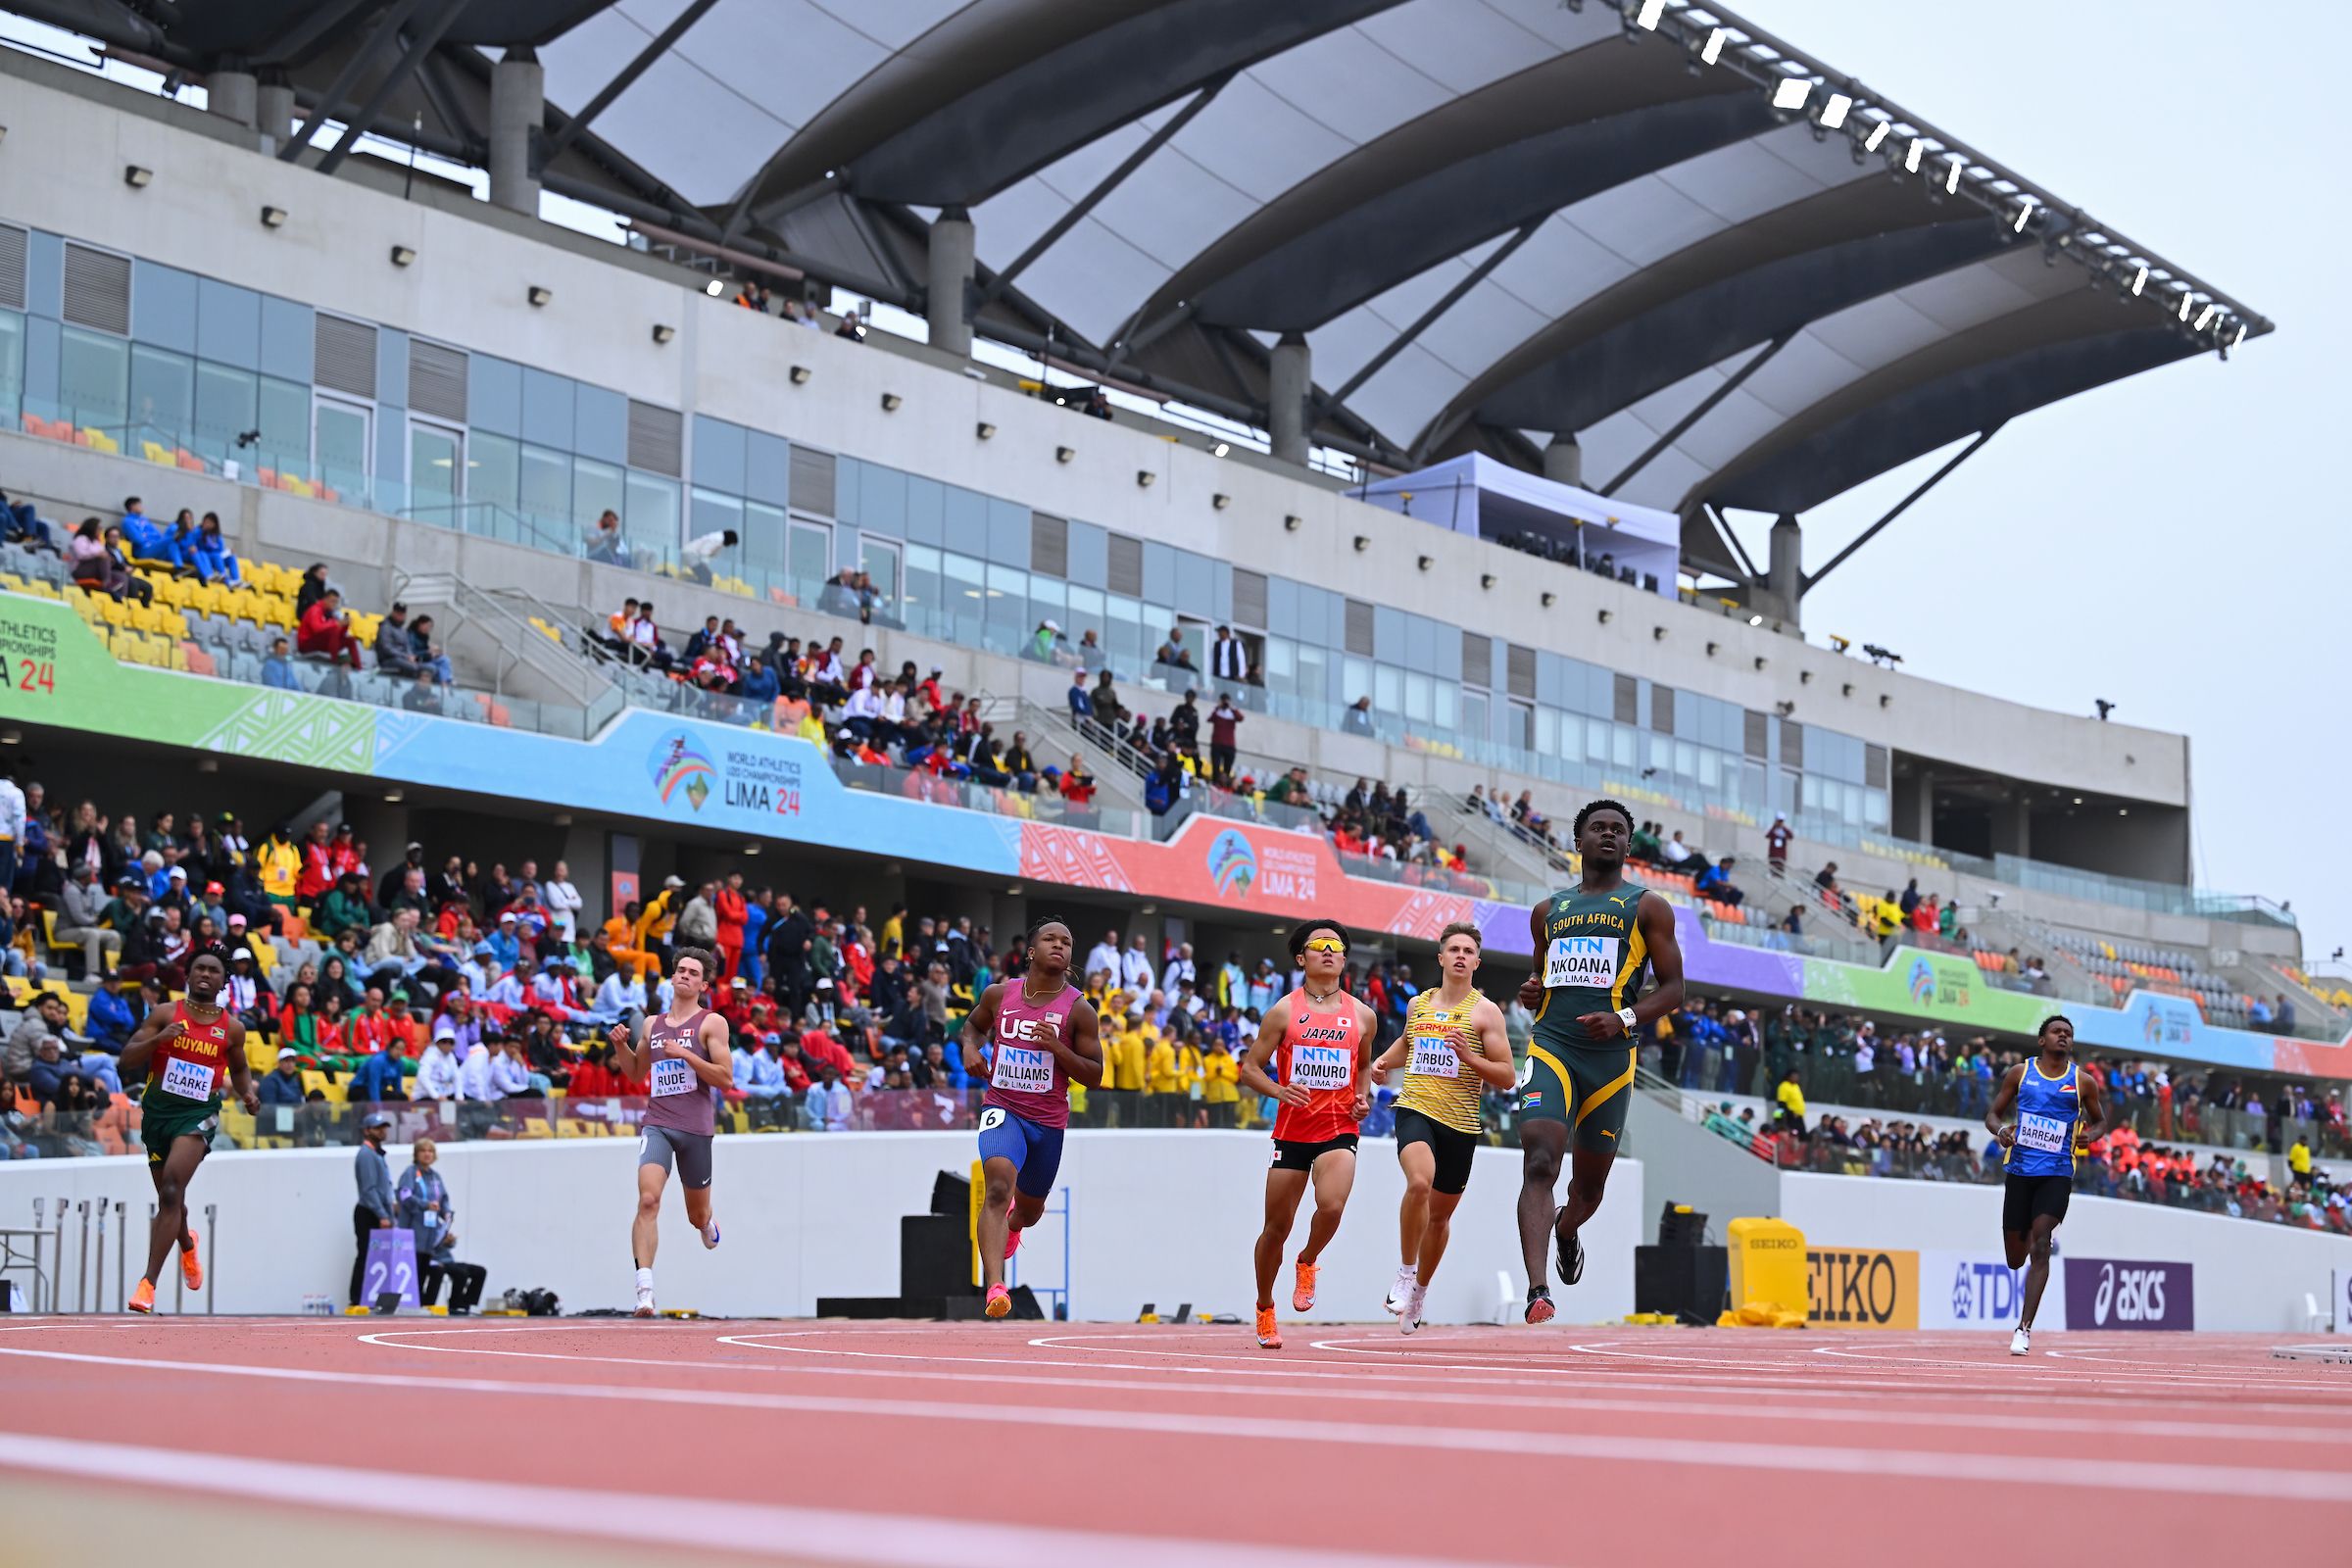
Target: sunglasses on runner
[1325, 945]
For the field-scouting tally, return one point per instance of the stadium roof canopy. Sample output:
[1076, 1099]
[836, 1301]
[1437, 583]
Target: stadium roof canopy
[1734, 275]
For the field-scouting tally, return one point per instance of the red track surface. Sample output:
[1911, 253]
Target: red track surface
[1029, 1443]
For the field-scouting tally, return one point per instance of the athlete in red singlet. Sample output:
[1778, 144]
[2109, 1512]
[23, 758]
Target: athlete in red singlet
[1318, 1042]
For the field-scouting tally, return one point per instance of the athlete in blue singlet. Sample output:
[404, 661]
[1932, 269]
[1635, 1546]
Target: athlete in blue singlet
[2057, 1110]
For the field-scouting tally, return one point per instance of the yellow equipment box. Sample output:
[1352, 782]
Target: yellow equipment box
[1768, 1264]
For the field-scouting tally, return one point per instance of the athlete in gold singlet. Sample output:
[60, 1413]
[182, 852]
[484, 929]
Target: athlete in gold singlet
[1453, 1047]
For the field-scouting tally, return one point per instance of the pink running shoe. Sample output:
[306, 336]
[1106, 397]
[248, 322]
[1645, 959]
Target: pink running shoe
[999, 1302]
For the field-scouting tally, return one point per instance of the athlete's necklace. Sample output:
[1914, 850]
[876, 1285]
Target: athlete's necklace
[1325, 997]
[1033, 999]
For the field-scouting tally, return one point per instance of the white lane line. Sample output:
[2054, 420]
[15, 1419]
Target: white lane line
[1980, 1468]
[2131, 1373]
[1482, 1399]
[707, 1525]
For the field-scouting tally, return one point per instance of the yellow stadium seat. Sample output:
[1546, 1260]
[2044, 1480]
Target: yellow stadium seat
[210, 598]
[157, 452]
[114, 612]
[98, 440]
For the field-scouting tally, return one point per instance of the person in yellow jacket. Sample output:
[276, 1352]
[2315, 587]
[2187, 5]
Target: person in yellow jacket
[1220, 1082]
[656, 920]
[1163, 1084]
[1123, 1056]
[1190, 1073]
[280, 866]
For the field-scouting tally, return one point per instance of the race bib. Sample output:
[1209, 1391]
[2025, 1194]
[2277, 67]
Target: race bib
[672, 1076]
[1433, 1058]
[1023, 1071]
[2045, 1133]
[189, 1080]
[1320, 1066]
[1589, 961]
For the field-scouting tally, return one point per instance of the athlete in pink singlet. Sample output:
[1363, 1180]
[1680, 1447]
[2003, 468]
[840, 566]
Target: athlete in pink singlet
[1026, 1038]
[684, 1054]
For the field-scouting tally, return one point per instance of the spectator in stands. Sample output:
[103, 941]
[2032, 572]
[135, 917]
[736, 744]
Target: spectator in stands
[1676, 853]
[829, 1103]
[149, 540]
[696, 554]
[22, 523]
[1791, 1096]
[1096, 405]
[283, 1087]
[81, 918]
[1228, 657]
[605, 544]
[394, 650]
[1173, 652]
[94, 562]
[210, 557]
[1775, 843]
[277, 670]
[424, 694]
[1715, 882]
[326, 630]
[1358, 721]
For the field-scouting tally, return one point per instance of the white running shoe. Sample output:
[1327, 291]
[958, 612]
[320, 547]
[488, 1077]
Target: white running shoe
[1398, 1290]
[1409, 1319]
[711, 1233]
[645, 1301]
[2022, 1341]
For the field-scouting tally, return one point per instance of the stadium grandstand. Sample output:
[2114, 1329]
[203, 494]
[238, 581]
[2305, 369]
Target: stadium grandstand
[494, 495]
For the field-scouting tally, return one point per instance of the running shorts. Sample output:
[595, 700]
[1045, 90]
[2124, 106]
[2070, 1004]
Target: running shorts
[659, 1145]
[1587, 1090]
[160, 1126]
[1035, 1151]
[1453, 1146]
[1291, 1154]
[2026, 1199]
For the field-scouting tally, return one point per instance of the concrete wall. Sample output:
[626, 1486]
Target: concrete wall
[1694, 1167]
[1163, 1217]
[2249, 1277]
[69, 141]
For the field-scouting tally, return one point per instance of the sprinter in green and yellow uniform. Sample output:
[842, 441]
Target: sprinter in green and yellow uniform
[1593, 942]
[1454, 1050]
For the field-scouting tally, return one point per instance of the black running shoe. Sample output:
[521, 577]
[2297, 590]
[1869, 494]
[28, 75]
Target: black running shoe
[1539, 1304]
[1571, 1259]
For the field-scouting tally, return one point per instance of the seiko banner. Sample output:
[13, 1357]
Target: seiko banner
[2113, 1294]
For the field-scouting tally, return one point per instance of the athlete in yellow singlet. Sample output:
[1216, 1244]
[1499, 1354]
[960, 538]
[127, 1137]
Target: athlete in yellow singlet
[1453, 1047]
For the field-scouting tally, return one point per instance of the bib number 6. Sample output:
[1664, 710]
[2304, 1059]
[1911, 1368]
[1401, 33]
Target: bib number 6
[991, 1118]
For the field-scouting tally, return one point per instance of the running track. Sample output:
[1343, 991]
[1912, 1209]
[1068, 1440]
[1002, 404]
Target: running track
[1041, 1444]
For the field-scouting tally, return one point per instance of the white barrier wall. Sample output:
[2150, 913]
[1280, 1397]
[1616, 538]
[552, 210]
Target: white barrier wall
[2248, 1276]
[1162, 1217]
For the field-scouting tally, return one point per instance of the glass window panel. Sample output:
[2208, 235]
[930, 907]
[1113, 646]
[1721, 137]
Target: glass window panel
[546, 491]
[1621, 745]
[653, 509]
[93, 378]
[284, 420]
[1597, 740]
[1710, 768]
[227, 402]
[1282, 664]
[1388, 688]
[879, 560]
[1874, 807]
[708, 510]
[1314, 677]
[436, 481]
[345, 445]
[763, 532]
[1686, 759]
[1547, 730]
[493, 468]
[1355, 678]
[811, 561]
[1007, 601]
[1572, 735]
[162, 394]
[12, 366]
[1420, 696]
[1086, 610]
[925, 606]
[1445, 719]
[1474, 716]
[596, 489]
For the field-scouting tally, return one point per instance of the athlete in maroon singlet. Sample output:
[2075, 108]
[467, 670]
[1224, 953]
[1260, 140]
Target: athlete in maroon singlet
[1027, 1038]
[684, 1053]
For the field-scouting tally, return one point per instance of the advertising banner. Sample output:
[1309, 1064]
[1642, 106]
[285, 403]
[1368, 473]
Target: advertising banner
[2343, 1301]
[650, 766]
[2114, 1294]
[1861, 1288]
[1980, 1290]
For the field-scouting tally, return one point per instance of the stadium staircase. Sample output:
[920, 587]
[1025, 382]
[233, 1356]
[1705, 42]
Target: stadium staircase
[515, 638]
[1683, 1162]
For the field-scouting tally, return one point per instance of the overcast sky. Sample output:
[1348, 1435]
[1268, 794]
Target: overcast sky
[2173, 542]
[2168, 542]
